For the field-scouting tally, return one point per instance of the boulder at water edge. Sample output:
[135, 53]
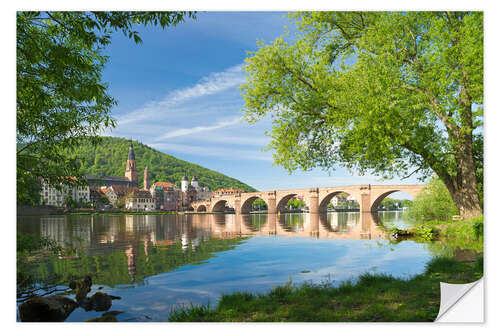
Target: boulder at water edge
[83, 288]
[52, 308]
[100, 301]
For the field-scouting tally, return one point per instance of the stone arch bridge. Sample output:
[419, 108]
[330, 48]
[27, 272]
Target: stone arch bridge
[369, 198]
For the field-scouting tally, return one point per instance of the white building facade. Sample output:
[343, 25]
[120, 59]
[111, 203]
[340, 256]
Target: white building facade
[140, 200]
[51, 196]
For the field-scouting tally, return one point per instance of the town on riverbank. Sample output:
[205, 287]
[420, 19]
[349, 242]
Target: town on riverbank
[305, 229]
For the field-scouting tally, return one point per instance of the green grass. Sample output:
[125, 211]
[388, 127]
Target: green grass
[465, 234]
[374, 297]
[468, 229]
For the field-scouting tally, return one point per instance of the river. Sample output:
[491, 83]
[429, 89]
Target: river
[158, 262]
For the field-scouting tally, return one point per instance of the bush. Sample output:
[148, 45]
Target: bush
[433, 203]
[425, 232]
[478, 229]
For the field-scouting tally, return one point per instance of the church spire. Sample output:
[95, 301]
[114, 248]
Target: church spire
[131, 155]
[130, 170]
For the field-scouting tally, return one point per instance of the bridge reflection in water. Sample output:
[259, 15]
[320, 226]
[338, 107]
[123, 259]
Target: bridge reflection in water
[352, 225]
[138, 236]
[107, 233]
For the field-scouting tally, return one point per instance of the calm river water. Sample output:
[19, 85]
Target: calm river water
[158, 262]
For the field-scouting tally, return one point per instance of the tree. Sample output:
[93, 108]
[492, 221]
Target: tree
[295, 203]
[432, 203]
[61, 99]
[388, 92]
[68, 202]
[259, 204]
[390, 203]
[120, 202]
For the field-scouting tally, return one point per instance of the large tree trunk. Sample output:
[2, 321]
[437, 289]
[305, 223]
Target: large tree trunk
[467, 201]
[463, 185]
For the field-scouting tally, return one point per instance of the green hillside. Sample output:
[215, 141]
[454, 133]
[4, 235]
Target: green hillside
[110, 156]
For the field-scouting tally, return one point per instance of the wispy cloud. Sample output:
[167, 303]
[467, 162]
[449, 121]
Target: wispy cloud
[212, 84]
[197, 129]
[221, 152]
[233, 138]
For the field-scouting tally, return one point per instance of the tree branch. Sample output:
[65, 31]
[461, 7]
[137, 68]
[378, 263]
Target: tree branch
[304, 81]
[408, 176]
[443, 116]
[56, 20]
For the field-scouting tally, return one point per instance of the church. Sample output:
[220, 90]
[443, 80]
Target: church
[165, 195]
[161, 195]
[129, 180]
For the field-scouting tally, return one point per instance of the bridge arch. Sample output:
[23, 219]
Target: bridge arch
[201, 208]
[280, 205]
[246, 206]
[323, 204]
[378, 199]
[219, 206]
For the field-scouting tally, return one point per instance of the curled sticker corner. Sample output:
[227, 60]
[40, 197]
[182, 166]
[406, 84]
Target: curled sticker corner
[451, 295]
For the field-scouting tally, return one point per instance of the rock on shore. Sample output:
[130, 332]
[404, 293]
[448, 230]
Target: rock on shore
[47, 309]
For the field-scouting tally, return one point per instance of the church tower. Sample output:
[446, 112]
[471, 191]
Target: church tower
[194, 183]
[130, 170]
[146, 179]
[184, 184]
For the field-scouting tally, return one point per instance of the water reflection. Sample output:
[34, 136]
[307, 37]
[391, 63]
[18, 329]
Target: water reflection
[393, 219]
[341, 222]
[103, 234]
[158, 261]
[126, 249]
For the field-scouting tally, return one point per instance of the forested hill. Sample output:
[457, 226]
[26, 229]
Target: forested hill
[110, 156]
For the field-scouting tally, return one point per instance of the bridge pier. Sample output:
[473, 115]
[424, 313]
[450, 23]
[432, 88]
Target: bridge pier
[237, 205]
[271, 203]
[365, 204]
[314, 201]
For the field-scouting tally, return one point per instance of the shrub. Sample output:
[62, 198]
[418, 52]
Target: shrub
[433, 203]
[425, 232]
[478, 229]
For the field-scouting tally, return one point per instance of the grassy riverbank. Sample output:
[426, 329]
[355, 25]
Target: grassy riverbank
[465, 234]
[373, 297]
[471, 229]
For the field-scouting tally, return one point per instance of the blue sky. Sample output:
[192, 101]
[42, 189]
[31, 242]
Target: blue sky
[178, 92]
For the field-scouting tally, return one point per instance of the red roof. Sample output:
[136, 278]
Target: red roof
[163, 184]
[139, 194]
[121, 190]
[231, 190]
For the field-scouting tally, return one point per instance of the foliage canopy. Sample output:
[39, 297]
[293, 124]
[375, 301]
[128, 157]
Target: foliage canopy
[393, 93]
[61, 98]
